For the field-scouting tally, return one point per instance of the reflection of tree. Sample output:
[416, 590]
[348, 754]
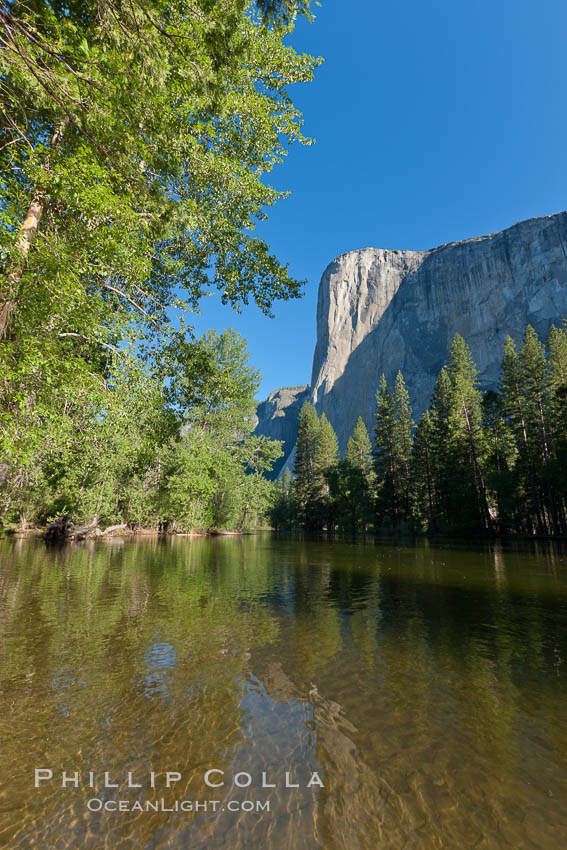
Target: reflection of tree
[315, 639]
[424, 683]
[457, 644]
[122, 659]
[365, 619]
[408, 674]
[364, 627]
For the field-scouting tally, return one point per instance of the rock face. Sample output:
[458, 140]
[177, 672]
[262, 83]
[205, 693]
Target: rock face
[380, 311]
[277, 419]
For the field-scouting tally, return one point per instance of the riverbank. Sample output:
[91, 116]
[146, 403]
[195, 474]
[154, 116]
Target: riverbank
[60, 532]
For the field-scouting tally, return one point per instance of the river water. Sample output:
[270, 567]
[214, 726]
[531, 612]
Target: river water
[416, 695]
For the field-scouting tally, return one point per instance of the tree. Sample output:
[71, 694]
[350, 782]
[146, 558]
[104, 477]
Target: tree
[537, 391]
[359, 451]
[403, 444]
[284, 11]
[316, 453]
[326, 454]
[171, 450]
[353, 481]
[211, 387]
[191, 472]
[501, 460]
[305, 484]
[466, 442]
[511, 388]
[528, 384]
[440, 470]
[423, 474]
[135, 137]
[557, 357]
[383, 452]
[392, 452]
[283, 512]
[101, 459]
[256, 492]
[532, 363]
[135, 141]
[210, 382]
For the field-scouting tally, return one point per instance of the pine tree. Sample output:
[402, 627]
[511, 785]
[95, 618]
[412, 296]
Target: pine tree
[557, 355]
[524, 483]
[528, 392]
[440, 460]
[352, 484]
[359, 451]
[536, 383]
[283, 511]
[387, 501]
[286, 482]
[327, 449]
[423, 474]
[304, 470]
[326, 455]
[466, 441]
[502, 456]
[403, 442]
[512, 390]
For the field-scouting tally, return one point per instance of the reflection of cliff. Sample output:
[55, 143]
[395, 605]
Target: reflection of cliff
[350, 809]
[380, 311]
[417, 695]
[425, 685]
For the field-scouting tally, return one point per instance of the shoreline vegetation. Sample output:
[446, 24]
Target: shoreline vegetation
[112, 533]
[477, 466]
[136, 535]
[172, 452]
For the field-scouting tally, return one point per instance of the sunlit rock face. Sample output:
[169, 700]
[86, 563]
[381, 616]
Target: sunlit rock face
[277, 419]
[381, 311]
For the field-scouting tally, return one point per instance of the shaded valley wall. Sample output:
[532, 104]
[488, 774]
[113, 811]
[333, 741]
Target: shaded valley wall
[277, 419]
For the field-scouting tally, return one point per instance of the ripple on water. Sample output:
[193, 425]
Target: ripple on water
[425, 686]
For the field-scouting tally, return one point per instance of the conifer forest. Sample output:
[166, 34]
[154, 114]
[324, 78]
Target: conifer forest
[475, 463]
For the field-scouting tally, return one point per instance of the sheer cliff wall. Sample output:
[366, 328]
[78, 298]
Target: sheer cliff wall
[380, 311]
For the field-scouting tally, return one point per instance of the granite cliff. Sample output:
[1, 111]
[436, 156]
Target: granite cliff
[277, 419]
[380, 311]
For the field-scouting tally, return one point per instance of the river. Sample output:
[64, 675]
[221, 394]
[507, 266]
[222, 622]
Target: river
[304, 694]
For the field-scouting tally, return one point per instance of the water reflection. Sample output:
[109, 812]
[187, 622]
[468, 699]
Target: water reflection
[425, 685]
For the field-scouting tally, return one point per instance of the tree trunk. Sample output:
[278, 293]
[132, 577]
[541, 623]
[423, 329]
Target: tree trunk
[16, 269]
[28, 230]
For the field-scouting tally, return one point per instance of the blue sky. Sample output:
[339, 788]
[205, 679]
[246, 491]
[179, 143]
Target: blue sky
[433, 122]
